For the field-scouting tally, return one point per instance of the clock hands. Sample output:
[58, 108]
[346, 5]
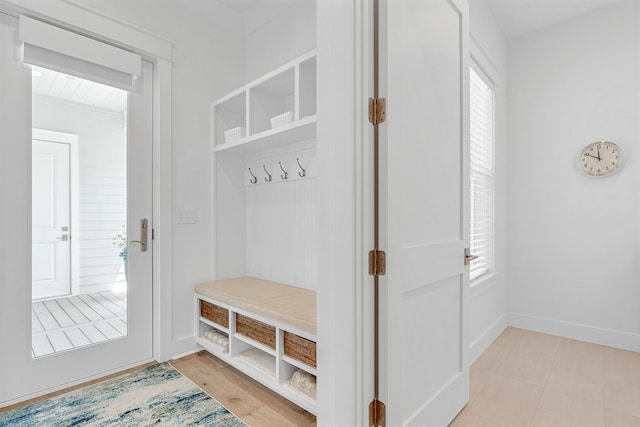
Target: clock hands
[598, 148]
[590, 155]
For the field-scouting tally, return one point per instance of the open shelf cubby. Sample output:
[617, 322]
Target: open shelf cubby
[280, 102]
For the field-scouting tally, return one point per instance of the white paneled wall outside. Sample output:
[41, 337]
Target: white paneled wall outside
[102, 189]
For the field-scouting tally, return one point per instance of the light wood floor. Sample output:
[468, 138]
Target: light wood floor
[524, 379]
[61, 324]
[250, 401]
[528, 379]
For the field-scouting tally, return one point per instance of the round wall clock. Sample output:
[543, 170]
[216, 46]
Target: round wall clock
[600, 158]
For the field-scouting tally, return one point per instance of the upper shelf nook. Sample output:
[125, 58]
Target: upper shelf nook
[276, 109]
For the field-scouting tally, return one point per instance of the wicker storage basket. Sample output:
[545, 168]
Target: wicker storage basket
[300, 349]
[256, 330]
[214, 313]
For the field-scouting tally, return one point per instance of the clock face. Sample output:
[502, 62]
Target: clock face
[600, 158]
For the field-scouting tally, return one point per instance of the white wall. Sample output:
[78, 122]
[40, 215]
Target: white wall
[488, 297]
[207, 63]
[574, 241]
[102, 185]
[278, 32]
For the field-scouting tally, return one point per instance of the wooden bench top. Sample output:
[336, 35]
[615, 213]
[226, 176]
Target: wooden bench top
[288, 304]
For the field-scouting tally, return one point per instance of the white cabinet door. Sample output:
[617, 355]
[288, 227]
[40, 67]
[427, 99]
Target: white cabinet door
[424, 218]
[51, 249]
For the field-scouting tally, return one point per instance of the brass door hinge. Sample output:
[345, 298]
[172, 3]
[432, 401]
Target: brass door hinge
[377, 414]
[377, 262]
[377, 110]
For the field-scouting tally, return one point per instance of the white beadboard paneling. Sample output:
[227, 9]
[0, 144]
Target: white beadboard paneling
[281, 236]
[102, 171]
[97, 207]
[97, 261]
[100, 270]
[50, 83]
[108, 199]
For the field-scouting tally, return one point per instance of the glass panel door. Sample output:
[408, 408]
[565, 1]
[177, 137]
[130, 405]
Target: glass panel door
[79, 213]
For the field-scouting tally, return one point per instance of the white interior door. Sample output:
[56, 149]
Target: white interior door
[51, 246]
[23, 375]
[424, 219]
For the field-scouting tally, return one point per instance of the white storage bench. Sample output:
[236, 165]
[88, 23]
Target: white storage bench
[266, 330]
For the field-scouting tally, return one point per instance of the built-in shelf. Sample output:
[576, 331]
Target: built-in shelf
[259, 360]
[256, 344]
[300, 365]
[214, 324]
[300, 130]
[289, 89]
[269, 149]
[267, 365]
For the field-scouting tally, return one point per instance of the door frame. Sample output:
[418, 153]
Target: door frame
[345, 153]
[72, 140]
[159, 52]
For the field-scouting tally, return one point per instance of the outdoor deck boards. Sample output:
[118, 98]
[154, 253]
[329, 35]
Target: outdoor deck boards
[65, 323]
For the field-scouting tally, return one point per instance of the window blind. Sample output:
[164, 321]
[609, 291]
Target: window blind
[482, 175]
[52, 47]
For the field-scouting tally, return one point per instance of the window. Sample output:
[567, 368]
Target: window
[482, 174]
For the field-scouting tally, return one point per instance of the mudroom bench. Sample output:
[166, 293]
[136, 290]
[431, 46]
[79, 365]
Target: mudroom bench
[266, 330]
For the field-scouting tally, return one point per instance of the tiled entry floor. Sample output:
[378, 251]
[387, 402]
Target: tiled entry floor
[528, 379]
[64, 323]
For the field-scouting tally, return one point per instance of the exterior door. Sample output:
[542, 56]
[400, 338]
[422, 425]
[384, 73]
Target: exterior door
[424, 218]
[50, 219]
[22, 374]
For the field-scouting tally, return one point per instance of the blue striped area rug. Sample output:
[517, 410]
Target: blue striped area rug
[158, 395]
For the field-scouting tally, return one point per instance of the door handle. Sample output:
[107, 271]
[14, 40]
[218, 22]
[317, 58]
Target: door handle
[64, 238]
[468, 257]
[144, 223]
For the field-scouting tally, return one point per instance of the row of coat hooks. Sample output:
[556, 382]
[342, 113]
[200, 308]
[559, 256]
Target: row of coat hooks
[283, 176]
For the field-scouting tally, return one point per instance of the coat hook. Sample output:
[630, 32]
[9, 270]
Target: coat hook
[253, 180]
[304, 172]
[286, 175]
[268, 177]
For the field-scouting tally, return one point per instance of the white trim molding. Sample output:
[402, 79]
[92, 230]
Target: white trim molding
[79, 18]
[576, 331]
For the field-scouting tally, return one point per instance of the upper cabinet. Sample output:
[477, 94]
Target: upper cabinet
[276, 109]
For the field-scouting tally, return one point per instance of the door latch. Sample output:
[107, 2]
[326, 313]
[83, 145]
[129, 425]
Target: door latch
[468, 257]
[144, 224]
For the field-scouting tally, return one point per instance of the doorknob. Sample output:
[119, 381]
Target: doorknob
[144, 222]
[64, 238]
[468, 257]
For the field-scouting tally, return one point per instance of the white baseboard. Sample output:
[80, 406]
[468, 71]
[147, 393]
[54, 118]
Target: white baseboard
[189, 353]
[576, 331]
[480, 344]
[183, 347]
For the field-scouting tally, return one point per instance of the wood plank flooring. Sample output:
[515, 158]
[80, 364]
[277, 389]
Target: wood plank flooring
[524, 379]
[65, 323]
[252, 402]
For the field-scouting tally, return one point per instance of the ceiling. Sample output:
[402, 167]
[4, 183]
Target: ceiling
[53, 84]
[518, 17]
